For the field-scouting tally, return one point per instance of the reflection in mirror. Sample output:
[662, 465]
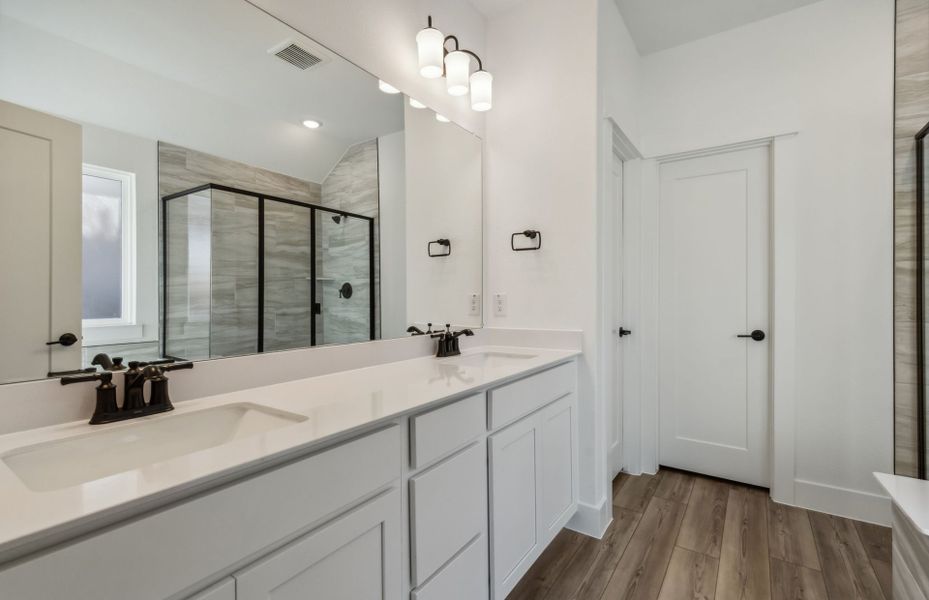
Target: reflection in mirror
[196, 180]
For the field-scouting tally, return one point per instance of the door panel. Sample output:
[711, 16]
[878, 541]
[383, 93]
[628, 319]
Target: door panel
[558, 469]
[355, 557]
[40, 184]
[713, 287]
[514, 531]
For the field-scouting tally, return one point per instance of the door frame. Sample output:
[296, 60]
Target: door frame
[641, 281]
[614, 268]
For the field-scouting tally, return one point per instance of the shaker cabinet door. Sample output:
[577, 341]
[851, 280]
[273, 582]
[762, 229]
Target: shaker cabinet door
[354, 557]
[558, 477]
[513, 456]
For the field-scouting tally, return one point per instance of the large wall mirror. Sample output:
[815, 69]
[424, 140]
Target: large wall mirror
[196, 180]
[922, 347]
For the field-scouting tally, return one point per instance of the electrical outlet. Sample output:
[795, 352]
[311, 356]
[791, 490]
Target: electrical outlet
[500, 304]
[475, 305]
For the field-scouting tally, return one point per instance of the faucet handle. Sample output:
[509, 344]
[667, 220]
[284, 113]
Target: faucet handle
[106, 394]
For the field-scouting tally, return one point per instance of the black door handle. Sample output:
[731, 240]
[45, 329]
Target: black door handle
[756, 335]
[65, 339]
[624, 332]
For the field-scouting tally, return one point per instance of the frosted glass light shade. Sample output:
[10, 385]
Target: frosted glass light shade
[482, 91]
[416, 103]
[442, 118]
[386, 87]
[457, 68]
[430, 47]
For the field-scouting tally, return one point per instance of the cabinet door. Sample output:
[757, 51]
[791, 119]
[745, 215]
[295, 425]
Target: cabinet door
[558, 475]
[355, 557]
[513, 456]
[224, 590]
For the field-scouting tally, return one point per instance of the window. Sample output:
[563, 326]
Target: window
[108, 234]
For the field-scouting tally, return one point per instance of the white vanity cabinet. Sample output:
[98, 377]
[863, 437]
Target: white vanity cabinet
[453, 502]
[533, 472]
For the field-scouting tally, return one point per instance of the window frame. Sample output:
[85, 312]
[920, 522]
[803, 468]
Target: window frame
[125, 328]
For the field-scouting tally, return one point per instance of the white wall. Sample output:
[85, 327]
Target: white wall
[619, 66]
[443, 201]
[380, 37]
[391, 162]
[825, 71]
[540, 173]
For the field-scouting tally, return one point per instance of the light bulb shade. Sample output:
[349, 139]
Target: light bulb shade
[457, 70]
[416, 103]
[482, 84]
[430, 47]
[442, 118]
[386, 87]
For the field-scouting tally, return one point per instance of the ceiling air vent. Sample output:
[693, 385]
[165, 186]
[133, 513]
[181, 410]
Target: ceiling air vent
[295, 55]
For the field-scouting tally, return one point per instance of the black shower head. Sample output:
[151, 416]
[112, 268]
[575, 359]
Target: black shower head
[337, 219]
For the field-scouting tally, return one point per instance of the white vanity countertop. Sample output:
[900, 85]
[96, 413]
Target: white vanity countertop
[911, 496]
[334, 406]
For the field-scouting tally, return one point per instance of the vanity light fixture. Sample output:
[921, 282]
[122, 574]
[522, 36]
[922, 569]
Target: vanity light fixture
[311, 124]
[386, 87]
[436, 60]
[442, 118]
[416, 103]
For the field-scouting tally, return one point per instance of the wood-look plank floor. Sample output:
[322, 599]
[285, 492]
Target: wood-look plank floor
[680, 536]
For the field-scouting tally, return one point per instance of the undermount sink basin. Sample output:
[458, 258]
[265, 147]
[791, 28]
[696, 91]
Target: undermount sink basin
[490, 360]
[72, 461]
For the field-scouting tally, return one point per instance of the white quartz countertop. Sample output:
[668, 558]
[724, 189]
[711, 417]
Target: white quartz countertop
[911, 496]
[334, 406]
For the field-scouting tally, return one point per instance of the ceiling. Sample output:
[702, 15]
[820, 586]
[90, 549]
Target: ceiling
[660, 24]
[197, 74]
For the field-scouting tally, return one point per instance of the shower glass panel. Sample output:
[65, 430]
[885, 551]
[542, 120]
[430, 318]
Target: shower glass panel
[186, 284]
[234, 274]
[241, 271]
[288, 252]
[344, 263]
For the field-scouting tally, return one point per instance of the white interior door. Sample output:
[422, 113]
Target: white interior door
[616, 367]
[40, 227]
[713, 282]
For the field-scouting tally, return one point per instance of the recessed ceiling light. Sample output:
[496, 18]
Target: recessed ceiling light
[386, 87]
[311, 124]
[416, 103]
[442, 118]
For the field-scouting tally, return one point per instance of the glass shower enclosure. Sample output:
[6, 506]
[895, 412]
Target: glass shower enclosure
[245, 272]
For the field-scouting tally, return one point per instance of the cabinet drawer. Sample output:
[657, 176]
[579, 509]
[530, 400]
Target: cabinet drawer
[448, 507]
[464, 578]
[440, 432]
[202, 536]
[510, 402]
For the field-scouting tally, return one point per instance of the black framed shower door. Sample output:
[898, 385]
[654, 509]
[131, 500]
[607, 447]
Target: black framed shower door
[262, 199]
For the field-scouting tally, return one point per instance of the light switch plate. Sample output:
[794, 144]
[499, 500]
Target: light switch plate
[475, 305]
[500, 304]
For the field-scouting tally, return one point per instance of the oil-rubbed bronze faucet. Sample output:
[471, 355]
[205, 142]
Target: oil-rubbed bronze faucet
[448, 341]
[134, 405]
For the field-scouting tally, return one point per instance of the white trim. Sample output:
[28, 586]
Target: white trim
[783, 285]
[122, 329]
[592, 520]
[853, 504]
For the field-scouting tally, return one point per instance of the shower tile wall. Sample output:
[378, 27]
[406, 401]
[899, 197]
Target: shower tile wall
[352, 186]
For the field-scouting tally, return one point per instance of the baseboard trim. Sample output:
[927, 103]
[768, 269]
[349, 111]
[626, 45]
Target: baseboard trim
[844, 502]
[592, 520]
